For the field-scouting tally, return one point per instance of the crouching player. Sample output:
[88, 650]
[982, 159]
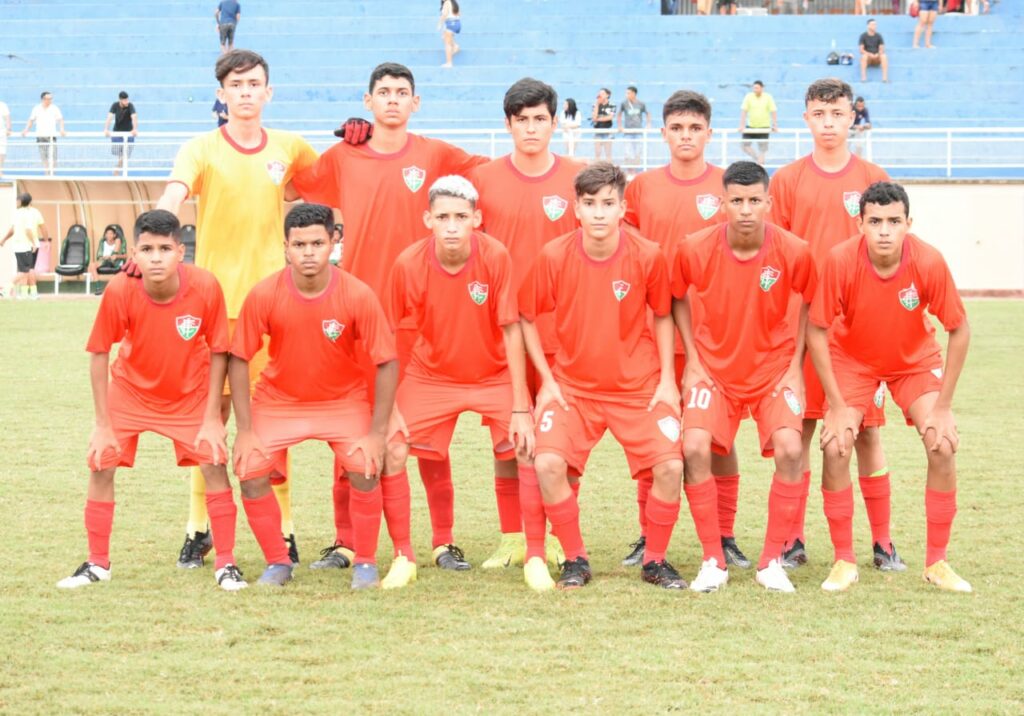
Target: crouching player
[456, 288]
[743, 355]
[167, 378]
[876, 288]
[610, 373]
[312, 389]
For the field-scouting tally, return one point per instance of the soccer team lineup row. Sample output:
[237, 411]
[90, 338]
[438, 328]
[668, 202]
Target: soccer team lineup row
[559, 301]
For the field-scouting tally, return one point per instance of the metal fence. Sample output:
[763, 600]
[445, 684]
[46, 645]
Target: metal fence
[784, 7]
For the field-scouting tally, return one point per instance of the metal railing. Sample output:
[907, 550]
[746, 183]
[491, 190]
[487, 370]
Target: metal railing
[786, 7]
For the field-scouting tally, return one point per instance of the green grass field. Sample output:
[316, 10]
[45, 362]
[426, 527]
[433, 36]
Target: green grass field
[162, 640]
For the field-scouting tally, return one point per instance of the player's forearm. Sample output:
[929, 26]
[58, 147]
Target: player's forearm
[385, 387]
[106, 125]
[99, 364]
[681, 314]
[515, 352]
[218, 371]
[956, 356]
[664, 338]
[817, 344]
[172, 198]
[535, 350]
[238, 380]
[801, 337]
[743, 119]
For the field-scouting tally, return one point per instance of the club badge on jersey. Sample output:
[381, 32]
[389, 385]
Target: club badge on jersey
[669, 427]
[554, 207]
[333, 329]
[707, 205]
[620, 289]
[851, 202]
[276, 170]
[792, 401]
[478, 292]
[880, 395]
[769, 276]
[414, 178]
[909, 297]
[188, 326]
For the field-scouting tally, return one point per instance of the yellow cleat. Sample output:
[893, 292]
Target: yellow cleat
[942, 576]
[553, 548]
[401, 574]
[537, 577]
[842, 577]
[510, 553]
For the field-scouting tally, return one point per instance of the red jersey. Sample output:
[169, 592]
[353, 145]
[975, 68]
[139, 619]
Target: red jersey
[382, 197]
[666, 209]
[524, 213]
[881, 322]
[164, 358]
[743, 337]
[605, 345]
[458, 317]
[312, 340]
[818, 206]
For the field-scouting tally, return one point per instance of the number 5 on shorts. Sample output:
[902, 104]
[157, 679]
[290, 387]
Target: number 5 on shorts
[699, 398]
[546, 423]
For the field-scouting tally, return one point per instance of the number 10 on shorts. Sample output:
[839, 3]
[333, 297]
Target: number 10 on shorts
[699, 398]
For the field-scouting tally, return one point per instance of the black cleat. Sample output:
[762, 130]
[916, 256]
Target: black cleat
[293, 549]
[636, 555]
[888, 561]
[195, 548]
[337, 556]
[795, 556]
[733, 554]
[575, 574]
[448, 556]
[663, 575]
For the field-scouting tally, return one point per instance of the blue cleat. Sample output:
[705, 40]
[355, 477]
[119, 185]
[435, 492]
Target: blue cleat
[365, 576]
[275, 575]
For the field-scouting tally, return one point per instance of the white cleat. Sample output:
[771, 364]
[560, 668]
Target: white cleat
[88, 573]
[774, 578]
[229, 578]
[711, 577]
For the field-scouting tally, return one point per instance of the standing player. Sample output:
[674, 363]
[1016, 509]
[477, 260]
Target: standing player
[610, 373]
[239, 171]
[816, 198]
[743, 355]
[26, 230]
[312, 389]
[874, 292]
[167, 379]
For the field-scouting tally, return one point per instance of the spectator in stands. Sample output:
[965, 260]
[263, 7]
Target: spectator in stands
[791, 7]
[227, 14]
[26, 229]
[704, 7]
[872, 52]
[570, 126]
[758, 119]
[338, 241]
[48, 119]
[450, 25]
[601, 117]
[126, 128]
[726, 7]
[861, 125]
[5, 130]
[927, 10]
[110, 256]
[631, 116]
[220, 112]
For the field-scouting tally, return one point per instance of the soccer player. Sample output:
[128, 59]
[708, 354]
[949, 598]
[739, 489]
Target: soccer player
[611, 371]
[26, 230]
[457, 287]
[314, 314]
[742, 356]
[525, 201]
[167, 378]
[873, 295]
[666, 204]
[817, 198]
[239, 172]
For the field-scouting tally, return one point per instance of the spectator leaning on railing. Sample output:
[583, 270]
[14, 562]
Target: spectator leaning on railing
[47, 118]
[126, 127]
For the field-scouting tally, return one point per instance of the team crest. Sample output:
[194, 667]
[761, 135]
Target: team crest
[707, 205]
[276, 171]
[188, 326]
[768, 278]
[478, 292]
[851, 202]
[414, 178]
[669, 427]
[880, 395]
[554, 207]
[792, 401]
[937, 372]
[333, 329]
[620, 289]
[909, 297]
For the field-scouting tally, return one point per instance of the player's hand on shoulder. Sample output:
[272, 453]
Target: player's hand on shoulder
[131, 269]
[355, 131]
[246, 444]
[215, 434]
[666, 392]
[101, 441]
[840, 424]
[939, 425]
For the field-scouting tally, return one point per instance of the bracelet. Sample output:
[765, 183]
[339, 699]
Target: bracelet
[521, 412]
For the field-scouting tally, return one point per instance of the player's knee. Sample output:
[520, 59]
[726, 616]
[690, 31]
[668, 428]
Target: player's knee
[549, 466]
[396, 456]
[255, 488]
[216, 477]
[668, 472]
[942, 458]
[696, 445]
[789, 449]
[830, 454]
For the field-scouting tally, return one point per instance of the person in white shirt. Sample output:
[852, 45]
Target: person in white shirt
[570, 126]
[5, 129]
[48, 120]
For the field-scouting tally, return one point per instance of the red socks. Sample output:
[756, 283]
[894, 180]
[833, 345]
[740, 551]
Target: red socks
[366, 511]
[643, 490]
[342, 518]
[223, 512]
[437, 480]
[565, 525]
[661, 518]
[99, 520]
[510, 516]
[876, 491]
[783, 504]
[797, 532]
[728, 497]
[395, 493]
[534, 520]
[839, 513]
[264, 515]
[939, 509]
[706, 507]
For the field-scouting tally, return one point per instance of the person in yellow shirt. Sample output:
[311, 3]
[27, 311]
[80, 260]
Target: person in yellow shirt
[25, 233]
[758, 118]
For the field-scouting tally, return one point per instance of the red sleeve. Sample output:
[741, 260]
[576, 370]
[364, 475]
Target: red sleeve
[251, 325]
[943, 298]
[508, 307]
[805, 277]
[111, 322]
[680, 273]
[318, 184]
[217, 319]
[781, 203]
[659, 289]
[536, 295]
[396, 306]
[457, 161]
[828, 297]
[632, 198]
[372, 327]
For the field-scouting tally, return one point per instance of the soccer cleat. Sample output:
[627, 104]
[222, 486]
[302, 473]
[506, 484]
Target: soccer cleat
[511, 551]
[842, 576]
[448, 556]
[553, 551]
[710, 578]
[229, 578]
[733, 554]
[536, 575]
[942, 576]
[365, 576]
[337, 556]
[888, 561]
[575, 574]
[636, 553]
[774, 578]
[795, 556]
[88, 573]
[195, 548]
[401, 574]
[275, 575]
[662, 574]
[293, 550]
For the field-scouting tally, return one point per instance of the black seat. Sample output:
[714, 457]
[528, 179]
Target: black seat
[74, 252]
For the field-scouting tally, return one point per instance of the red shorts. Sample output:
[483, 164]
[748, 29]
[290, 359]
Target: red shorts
[431, 409]
[256, 364]
[339, 423]
[816, 403]
[712, 410]
[860, 389]
[648, 438]
[130, 416]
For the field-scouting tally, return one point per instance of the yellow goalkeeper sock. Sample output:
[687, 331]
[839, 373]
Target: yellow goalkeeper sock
[198, 520]
[283, 492]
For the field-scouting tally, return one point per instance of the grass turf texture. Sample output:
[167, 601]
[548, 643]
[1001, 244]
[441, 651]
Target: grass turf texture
[164, 640]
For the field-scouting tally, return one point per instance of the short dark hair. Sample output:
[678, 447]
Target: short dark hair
[42, 95]
[303, 215]
[606, 91]
[122, 95]
[871, 20]
[759, 82]
[391, 69]
[158, 222]
[529, 92]
[745, 174]
[829, 90]
[884, 193]
[859, 99]
[239, 61]
[24, 199]
[597, 176]
[687, 102]
[633, 89]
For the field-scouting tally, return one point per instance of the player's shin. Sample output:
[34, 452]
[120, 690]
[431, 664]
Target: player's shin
[704, 504]
[99, 521]
[264, 516]
[366, 502]
[534, 519]
[783, 502]
[223, 517]
[437, 481]
[396, 501]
